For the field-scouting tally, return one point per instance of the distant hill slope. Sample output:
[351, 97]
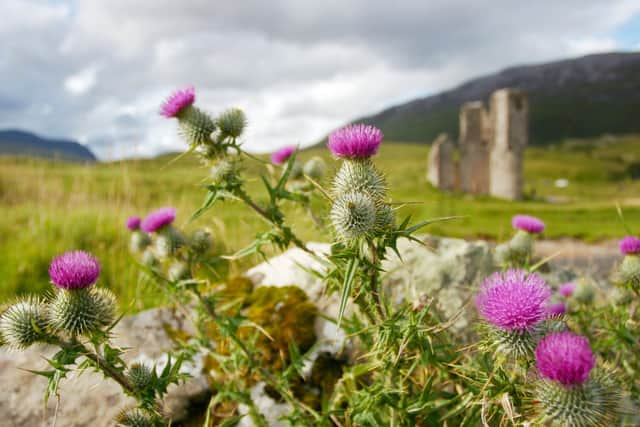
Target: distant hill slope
[21, 143]
[582, 97]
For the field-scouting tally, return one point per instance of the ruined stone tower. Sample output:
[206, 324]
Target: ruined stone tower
[509, 118]
[474, 148]
[441, 170]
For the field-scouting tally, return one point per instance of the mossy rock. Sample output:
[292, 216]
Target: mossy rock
[287, 316]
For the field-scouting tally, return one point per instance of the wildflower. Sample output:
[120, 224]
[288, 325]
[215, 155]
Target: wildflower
[133, 223]
[178, 101]
[232, 122]
[314, 168]
[570, 391]
[567, 289]
[630, 245]
[355, 141]
[24, 323]
[196, 126]
[158, 219]
[281, 155]
[557, 309]
[513, 300]
[565, 357]
[527, 223]
[74, 270]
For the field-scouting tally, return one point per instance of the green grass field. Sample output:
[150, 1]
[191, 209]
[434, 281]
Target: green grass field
[51, 207]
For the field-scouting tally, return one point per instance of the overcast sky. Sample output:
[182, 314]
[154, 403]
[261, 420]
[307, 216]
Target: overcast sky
[97, 70]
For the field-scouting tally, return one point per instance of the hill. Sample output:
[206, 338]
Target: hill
[574, 98]
[21, 143]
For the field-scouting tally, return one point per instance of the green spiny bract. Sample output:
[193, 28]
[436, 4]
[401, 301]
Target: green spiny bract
[81, 311]
[592, 404]
[140, 376]
[138, 241]
[360, 176]
[135, 417]
[628, 273]
[584, 292]
[354, 215]
[24, 323]
[225, 172]
[232, 122]
[516, 252]
[385, 219]
[522, 244]
[166, 242]
[517, 344]
[314, 168]
[196, 126]
[149, 259]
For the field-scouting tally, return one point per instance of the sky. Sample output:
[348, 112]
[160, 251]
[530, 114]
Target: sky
[97, 71]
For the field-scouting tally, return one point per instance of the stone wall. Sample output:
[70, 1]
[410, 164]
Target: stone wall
[509, 115]
[474, 149]
[441, 170]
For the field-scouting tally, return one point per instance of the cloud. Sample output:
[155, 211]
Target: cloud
[97, 70]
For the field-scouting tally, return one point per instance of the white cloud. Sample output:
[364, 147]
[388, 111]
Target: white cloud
[82, 81]
[98, 70]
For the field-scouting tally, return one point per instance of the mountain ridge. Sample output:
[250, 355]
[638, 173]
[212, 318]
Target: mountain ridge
[577, 97]
[18, 142]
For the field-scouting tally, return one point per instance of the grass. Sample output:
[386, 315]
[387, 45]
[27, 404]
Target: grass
[50, 207]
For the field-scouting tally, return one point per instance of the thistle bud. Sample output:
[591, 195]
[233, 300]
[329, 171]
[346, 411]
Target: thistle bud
[385, 219]
[201, 241]
[82, 312]
[135, 417]
[314, 168]
[584, 292]
[167, 242]
[232, 122]
[149, 259]
[140, 375]
[296, 171]
[24, 323]
[195, 125]
[521, 245]
[138, 241]
[360, 176]
[628, 273]
[353, 215]
[178, 271]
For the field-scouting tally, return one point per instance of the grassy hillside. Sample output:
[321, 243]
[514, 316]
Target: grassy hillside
[52, 207]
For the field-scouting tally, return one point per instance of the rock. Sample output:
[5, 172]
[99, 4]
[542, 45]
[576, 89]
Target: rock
[90, 399]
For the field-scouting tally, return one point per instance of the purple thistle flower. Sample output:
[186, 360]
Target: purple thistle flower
[158, 219]
[566, 289]
[513, 300]
[281, 155]
[630, 245]
[74, 270]
[565, 357]
[177, 102]
[556, 309]
[133, 223]
[527, 223]
[355, 141]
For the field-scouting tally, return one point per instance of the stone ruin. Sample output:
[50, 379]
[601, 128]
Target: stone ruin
[491, 148]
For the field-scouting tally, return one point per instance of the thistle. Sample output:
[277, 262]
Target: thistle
[353, 216]
[225, 172]
[24, 323]
[628, 273]
[201, 241]
[232, 123]
[166, 239]
[195, 125]
[567, 289]
[178, 271]
[514, 304]
[355, 142]
[281, 155]
[570, 391]
[140, 376]
[314, 168]
[135, 417]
